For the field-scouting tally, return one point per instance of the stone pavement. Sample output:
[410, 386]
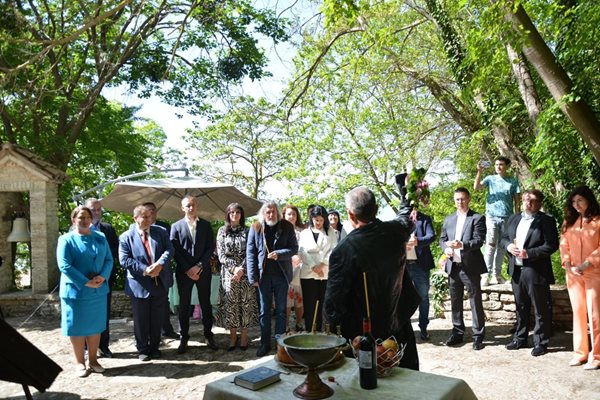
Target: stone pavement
[493, 373]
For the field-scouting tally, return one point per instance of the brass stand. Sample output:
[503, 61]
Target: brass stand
[313, 388]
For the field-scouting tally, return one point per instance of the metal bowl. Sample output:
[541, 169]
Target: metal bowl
[312, 349]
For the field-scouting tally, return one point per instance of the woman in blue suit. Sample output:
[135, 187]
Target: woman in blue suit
[85, 262]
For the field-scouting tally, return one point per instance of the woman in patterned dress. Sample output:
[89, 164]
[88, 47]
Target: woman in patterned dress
[238, 308]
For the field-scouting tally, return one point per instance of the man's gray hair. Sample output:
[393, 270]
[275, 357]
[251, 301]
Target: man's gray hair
[268, 204]
[138, 210]
[360, 201]
[88, 202]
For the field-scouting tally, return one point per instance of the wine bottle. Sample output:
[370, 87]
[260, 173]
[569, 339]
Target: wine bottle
[367, 358]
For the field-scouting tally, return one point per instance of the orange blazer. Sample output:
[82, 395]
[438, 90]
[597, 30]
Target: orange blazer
[581, 242]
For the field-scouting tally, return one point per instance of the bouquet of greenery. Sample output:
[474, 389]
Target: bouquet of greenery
[417, 188]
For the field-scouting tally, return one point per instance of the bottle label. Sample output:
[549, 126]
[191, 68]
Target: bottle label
[365, 359]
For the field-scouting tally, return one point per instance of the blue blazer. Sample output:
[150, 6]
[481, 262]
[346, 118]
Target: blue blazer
[78, 263]
[472, 237]
[285, 244]
[132, 256]
[425, 235]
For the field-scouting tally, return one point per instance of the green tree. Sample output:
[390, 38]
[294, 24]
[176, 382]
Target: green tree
[56, 57]
[245, 146]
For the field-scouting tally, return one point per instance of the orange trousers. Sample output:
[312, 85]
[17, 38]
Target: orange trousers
[584, 292]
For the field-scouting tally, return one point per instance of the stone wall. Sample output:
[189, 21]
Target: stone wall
[499, 305]
[498, 302]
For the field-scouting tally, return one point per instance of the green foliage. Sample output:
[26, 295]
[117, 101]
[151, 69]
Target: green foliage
[439, 293]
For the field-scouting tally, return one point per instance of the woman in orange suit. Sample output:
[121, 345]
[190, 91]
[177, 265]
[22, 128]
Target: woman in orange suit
[580, 255]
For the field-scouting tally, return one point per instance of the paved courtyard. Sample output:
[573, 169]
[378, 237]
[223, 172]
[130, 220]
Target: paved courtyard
[493, 373]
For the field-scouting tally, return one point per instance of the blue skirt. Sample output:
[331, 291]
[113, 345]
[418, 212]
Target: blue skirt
[83, 317]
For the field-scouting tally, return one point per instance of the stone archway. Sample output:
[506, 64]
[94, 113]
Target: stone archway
[23, 171]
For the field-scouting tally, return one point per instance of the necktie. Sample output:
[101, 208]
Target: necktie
[148, 251]
[147, 247]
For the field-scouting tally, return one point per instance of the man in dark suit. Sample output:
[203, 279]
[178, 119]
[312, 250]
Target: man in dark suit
[378, 249]
[145, 251]
[167, 329]
[193, 240]
[463, 234]
[419, 261]
[530, 238]
[113, 243]
[269, 250]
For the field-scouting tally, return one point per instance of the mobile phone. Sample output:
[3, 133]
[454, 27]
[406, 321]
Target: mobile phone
[485, 163]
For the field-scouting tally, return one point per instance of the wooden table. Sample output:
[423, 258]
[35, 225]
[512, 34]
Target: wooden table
[402, 384]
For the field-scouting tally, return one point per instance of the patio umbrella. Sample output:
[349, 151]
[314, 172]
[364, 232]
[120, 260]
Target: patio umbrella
[166, 193]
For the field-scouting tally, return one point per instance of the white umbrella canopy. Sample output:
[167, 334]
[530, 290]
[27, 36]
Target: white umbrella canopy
[212, 198]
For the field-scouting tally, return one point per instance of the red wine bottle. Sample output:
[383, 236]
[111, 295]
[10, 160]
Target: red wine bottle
[367, 358]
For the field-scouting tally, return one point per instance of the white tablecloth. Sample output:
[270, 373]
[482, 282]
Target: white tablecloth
[403, 384]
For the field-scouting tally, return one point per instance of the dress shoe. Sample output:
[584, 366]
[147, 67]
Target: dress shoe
[538, 350]
[171, 335]
[454, 339]
[515, 345]
[155, 354]
[424, 334]
[183, 345]
[477, 345]
[575, 362]
[105, 353]
[211, 344]
[263, 351]
[591, 365]
[81, 371]
[97, 368]
[144, 357]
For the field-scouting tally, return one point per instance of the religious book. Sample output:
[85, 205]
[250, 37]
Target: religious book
[257, 378]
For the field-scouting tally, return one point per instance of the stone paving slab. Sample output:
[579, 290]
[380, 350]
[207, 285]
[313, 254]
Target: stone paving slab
[493, 373]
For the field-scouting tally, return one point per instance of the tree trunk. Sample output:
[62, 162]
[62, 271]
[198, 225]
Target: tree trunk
[558, 82]
[529, 95]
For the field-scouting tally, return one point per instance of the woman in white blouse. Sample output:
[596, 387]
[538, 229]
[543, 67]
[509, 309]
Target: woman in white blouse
[315, 245]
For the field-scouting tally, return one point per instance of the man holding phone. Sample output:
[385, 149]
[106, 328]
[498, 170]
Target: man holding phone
[502, 193]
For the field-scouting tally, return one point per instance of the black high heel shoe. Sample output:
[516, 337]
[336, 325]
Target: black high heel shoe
[232, 348]
[244, 348]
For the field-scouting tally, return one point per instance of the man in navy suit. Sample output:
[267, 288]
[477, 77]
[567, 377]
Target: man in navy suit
[193, 241]
[530, 238]
[269, 250]
[113, 243]
[419, 261]
[463, 234]
[167, 329]
[145, 251]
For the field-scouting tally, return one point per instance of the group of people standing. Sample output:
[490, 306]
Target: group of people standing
[320, 271]
[529, 237]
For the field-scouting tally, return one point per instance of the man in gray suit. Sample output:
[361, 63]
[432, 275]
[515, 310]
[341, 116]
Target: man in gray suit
[462, 236]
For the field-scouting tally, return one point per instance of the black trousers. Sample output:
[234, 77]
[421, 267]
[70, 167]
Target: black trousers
[105, 335]
[147, 321]
[184, 287]
[313, 290]
[532, 290]
[458, 281]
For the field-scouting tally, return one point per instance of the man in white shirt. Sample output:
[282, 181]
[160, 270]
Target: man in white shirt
[463, 234]
[530, 238]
